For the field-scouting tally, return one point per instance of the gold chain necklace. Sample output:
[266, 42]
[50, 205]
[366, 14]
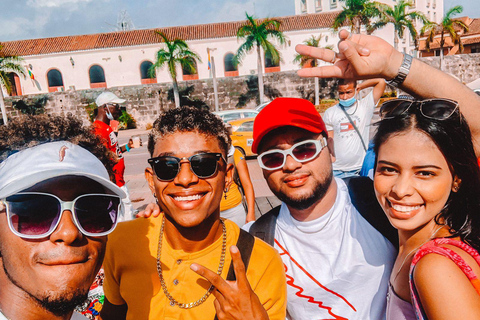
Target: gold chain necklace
[408, 255]
[172, 300]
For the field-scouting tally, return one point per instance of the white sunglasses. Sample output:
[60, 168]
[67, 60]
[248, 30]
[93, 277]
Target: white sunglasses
[302, 152]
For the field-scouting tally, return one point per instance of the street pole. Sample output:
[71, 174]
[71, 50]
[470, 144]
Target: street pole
[317, 88]
[214, 76]
[2, 107]
[215, 91]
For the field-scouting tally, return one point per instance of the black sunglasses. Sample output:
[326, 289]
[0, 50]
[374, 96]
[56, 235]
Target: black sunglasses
[35, 215]
[203, 165]
[438, 109]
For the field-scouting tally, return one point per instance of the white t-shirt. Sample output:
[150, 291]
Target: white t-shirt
[337, 264]
[349, 150]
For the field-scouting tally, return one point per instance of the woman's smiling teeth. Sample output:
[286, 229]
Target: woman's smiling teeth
[188, 198]
[403, 208]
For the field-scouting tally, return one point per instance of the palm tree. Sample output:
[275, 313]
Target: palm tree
[356, 13]
[447, 26]
[309, 61]
[8, 64]
[401, 20]
[256, 34]
[175, 52]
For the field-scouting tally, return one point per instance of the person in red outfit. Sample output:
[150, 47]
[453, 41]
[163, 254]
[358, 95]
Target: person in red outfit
[108, 105]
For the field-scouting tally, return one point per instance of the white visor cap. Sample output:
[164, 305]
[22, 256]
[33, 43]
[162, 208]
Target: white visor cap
[108, 97]
[28, 167]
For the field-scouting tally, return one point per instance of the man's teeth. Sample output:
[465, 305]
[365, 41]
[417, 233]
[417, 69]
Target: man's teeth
[405, 208]
[187, 198]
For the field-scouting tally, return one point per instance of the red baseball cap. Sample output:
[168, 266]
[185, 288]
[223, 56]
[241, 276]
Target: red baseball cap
[282, 112]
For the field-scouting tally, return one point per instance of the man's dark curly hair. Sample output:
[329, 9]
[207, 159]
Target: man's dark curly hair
[188, 119]
[29, 131]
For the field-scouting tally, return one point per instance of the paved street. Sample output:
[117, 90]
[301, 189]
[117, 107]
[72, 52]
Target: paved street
[136, 161]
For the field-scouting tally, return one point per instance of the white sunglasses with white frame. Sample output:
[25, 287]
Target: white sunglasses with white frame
[302, 151]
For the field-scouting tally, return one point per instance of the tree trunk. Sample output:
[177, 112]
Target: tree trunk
[176, 96]
[260, 74]
[395, 41]
[357, 26]
[442, 43]
[2, 106]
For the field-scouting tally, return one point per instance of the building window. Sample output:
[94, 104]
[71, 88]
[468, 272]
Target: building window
[434, 16]
[189, 74]
[270, 66]
[318, 5]
[475, 48]
[303, 6]
[55, 81]
[146, 78]
[333, 4]
[231, 70]
[97, 77]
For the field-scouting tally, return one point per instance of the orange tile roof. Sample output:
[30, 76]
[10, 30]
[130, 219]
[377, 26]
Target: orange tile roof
[148, 36]
[473, 35]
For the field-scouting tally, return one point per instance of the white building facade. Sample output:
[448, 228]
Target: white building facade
[123, 58]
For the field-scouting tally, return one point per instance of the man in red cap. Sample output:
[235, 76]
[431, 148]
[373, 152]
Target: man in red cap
[337, 265]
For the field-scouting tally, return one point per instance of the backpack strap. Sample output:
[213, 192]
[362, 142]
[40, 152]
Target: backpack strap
[363, 198]
[264, 227]
[245, 244]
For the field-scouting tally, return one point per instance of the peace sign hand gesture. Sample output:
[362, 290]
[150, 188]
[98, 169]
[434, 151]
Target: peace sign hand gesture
[234, 299]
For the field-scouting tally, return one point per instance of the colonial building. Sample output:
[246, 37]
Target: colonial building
[470, 40]
[123, 58]
[433, 10]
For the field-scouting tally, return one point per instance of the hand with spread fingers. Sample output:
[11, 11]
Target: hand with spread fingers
[234, 299]
[360, 57]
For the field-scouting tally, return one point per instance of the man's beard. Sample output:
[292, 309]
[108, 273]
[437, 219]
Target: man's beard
[57, 304]
[305, 202]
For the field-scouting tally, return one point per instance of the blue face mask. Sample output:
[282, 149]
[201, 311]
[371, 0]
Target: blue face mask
[347, 103]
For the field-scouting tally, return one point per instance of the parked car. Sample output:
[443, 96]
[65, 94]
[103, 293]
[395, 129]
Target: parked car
[261, 106]
[229, 115]
[242, 135]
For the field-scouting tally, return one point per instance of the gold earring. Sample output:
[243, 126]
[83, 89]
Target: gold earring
[225, 193]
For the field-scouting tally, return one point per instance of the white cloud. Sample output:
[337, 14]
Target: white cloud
[54, 3]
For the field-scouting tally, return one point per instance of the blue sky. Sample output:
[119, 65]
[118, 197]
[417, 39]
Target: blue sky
[27, 19]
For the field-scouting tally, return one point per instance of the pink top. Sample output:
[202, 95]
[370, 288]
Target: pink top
[397, 308]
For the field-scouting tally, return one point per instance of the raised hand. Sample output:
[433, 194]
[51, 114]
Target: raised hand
[360, 57]
[234, 299]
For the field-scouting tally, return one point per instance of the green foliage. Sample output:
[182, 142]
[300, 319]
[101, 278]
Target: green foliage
[9, 64]
[126, 121]
[357, 13]
[257, 34]
[302, 60]
[448, 26]
[37, 106]
[402, 18]
[175, 52]
[90, 109]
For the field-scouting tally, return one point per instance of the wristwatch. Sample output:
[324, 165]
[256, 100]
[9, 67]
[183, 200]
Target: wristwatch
[402, 71]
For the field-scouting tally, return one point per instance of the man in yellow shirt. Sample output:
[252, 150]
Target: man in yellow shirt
[176, 266]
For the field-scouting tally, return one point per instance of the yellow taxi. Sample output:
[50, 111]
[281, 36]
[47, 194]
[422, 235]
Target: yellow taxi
[242, 135]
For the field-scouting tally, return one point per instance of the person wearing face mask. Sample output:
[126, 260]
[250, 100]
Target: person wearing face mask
[348, 123]
[108, 109]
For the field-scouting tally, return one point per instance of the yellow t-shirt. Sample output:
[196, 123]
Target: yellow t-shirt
[131, 273]
[234, 197]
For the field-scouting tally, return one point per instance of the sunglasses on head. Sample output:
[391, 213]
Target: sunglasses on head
[437, 109]
[302, 152]
[203, 165]
[35, 215]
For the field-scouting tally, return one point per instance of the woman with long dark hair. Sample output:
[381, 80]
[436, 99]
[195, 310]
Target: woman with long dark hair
[427, 181]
